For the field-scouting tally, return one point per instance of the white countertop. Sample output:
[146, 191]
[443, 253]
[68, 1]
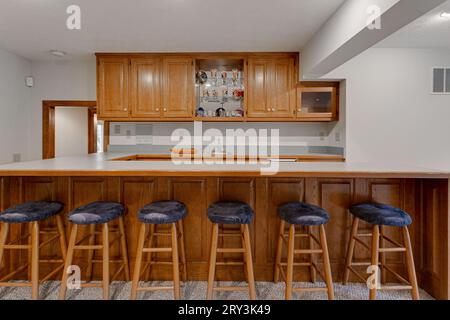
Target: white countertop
[98, 163]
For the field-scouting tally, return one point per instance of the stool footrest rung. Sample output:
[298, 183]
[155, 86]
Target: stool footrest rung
[229, 263]
[392, 250]
[52, 273]
[356, 273]
[153, 288]
[230, 288]
[91, 285]
[309, 289]
[11, 274]
[157, 250]
[46, 242]
[88, 247]
[392, 288]
[230, 250]
[15, 284]
[231, 235]
[308, 251]
[17, 247]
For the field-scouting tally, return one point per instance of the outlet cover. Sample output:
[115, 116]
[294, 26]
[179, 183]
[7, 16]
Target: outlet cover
[337, 136]
[17, 157]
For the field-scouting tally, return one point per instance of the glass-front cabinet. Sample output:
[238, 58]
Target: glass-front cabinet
[317, 102]
[220, 89]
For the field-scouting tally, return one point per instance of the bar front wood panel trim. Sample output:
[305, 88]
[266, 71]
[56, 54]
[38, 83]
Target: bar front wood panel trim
[426, 200]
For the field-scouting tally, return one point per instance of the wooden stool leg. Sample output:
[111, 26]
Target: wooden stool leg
[410, 264]
[138, 262]
[3, 237]
[244, 255]
[375, 254]
[182, 249]
[350, 250]
[62, 237]
[150, 254]
[105, 244]
[326, 263]
[90, 252]
[35, 261]
[249, 263]
[30, 248]
[176, 262]
[279, 252]
[290, 263]
[212, 261]
[68, 261]
[312, 270]
[382, 255]
[123, 244]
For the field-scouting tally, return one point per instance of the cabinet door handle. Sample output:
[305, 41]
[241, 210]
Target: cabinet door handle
[157, 109]
[274, 109]
[268, 109]
[125, 109]
[165, 109]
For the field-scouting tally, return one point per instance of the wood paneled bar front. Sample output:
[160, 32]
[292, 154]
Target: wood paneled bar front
[427, 200]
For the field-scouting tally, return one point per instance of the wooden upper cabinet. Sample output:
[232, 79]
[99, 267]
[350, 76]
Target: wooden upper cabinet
[112, 87]
[178, 87]
[283, 99]
[145, 88]
[271, 87]
[258, 88]
[318, 101]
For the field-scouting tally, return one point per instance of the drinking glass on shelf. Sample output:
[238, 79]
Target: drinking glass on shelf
[214, 73]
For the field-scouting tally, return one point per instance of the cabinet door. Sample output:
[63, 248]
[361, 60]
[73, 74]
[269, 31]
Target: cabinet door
[145, 90]
[282, 93]
[178, 88]
[112, 87]
[259, 81]
[318, 103]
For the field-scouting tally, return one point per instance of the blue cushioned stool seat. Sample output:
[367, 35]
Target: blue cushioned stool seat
[304, 214]
[230, 213]
[31, 211]
[96, 213]
[162, 212]
[381, 214]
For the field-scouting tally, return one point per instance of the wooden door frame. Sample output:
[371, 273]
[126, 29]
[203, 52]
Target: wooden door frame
[48, 124]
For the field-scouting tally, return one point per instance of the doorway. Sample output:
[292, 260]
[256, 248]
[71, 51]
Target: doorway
[75, 134]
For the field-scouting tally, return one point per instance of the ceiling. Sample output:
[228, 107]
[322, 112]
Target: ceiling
[31, 28]
[429, 31]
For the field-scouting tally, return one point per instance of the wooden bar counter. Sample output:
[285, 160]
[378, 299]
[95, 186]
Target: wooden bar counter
[424, 193]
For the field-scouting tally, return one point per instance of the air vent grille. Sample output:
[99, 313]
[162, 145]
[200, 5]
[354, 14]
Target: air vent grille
[441, 80]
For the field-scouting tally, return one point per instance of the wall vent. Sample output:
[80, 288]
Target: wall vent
[441, 81]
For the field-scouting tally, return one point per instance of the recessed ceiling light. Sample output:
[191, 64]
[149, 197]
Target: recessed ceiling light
[57, 53]
[445, 15]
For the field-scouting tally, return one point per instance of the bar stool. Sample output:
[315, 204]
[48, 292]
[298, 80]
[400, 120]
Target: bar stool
[155, 214]
[32, 213]
[307, 216]
[380, 215]
[92, 215]
[231, 213]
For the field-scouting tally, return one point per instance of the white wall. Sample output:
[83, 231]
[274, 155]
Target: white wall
[58, 80]
[71, 131]
[391, 115]
[14, 102]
